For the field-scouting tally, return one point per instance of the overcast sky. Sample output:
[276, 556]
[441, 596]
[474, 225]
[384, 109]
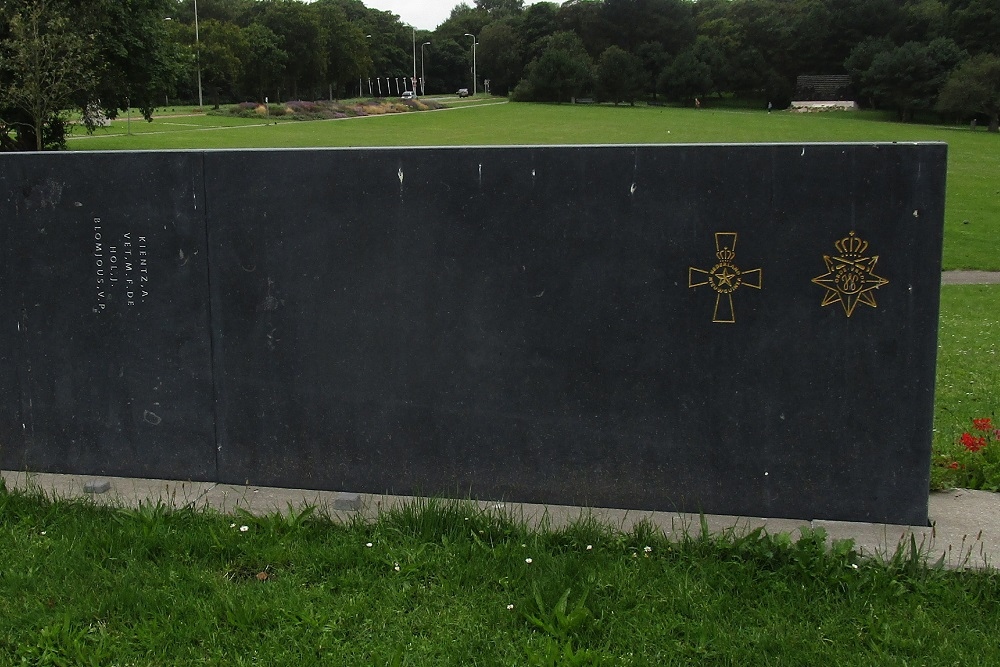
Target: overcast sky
[422, 14]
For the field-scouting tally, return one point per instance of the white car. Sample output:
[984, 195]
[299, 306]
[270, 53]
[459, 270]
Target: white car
[407, 95]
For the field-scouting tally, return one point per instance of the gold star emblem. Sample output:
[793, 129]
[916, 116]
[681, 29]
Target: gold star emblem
[850, 276]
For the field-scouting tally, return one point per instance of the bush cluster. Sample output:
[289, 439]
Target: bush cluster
[324, 110]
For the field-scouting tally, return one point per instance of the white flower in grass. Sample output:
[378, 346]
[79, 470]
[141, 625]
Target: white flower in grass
[510, 607]
[648, 549]
[244, 529]
[369, 545]
[395, 566]
[232, 525]
[528, 561]
[44, 531]
[590, 547]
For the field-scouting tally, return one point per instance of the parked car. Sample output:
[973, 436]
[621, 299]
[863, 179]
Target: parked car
[463, 92]
[407, 95]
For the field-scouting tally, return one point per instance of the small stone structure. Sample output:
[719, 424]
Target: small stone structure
[823, 92]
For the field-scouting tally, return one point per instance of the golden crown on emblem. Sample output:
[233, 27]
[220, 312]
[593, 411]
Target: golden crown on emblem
[851, 246]
[726, 255]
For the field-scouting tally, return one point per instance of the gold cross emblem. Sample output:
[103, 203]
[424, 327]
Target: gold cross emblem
[724, 278]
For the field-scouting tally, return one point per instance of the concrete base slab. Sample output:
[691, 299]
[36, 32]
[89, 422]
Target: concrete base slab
[964, 530]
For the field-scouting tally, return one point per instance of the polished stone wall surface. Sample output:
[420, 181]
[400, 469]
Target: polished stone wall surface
[745, 329]
[105, 298]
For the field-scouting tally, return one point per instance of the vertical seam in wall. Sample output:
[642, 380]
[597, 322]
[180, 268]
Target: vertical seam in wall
[217, 442]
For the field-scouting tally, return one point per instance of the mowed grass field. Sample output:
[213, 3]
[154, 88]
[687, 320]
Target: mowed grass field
[972, 219]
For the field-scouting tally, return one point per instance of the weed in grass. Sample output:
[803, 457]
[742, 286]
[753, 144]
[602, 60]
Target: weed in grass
[563, 626]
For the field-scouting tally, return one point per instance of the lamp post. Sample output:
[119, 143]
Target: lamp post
[469, 34]
[197, 51]
[413, 33]
[423, 81]
[360, 91]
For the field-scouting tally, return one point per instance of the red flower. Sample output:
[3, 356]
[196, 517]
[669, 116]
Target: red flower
[982, 424]
[953, 465]
[971, 442]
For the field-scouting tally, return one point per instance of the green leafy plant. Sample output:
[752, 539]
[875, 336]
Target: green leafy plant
[563, 625]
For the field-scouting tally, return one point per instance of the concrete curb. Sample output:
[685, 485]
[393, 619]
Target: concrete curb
[964, 531]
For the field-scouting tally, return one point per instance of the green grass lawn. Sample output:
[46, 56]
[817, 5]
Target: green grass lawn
[968, 384]
[972, 219]
[448, 584]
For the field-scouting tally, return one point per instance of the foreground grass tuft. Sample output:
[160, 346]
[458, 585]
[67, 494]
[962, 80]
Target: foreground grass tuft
[446, 583]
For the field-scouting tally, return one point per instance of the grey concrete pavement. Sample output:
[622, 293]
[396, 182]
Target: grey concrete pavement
[970, 277]
[964, 530]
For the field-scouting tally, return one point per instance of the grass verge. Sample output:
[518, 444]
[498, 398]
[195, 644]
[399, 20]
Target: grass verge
[440, 583]
[967, 386]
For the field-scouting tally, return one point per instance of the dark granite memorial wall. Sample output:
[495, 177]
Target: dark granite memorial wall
[105, 275]
[729, 329]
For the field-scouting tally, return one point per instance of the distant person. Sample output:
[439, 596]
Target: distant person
[769, 106]
[972, 125]
[697, 103]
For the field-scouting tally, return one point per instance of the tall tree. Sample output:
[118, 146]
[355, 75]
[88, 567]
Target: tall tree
[632, 22]
[561, 73]
[301, 37]
[134, 62]
[223, 45]
[974, 87]
[263, 62]
[909, 77]
[44, 64]
[501, 55]
[975, 25]
[498, 9]
[347, 57]
[619, 76]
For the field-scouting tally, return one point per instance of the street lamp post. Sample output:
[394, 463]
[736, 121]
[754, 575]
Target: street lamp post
[414, 35]
[197, 51]
[423, 81]
[360, 91]
[469, 34]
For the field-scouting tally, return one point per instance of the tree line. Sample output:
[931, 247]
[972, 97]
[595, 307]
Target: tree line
[103, 56]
